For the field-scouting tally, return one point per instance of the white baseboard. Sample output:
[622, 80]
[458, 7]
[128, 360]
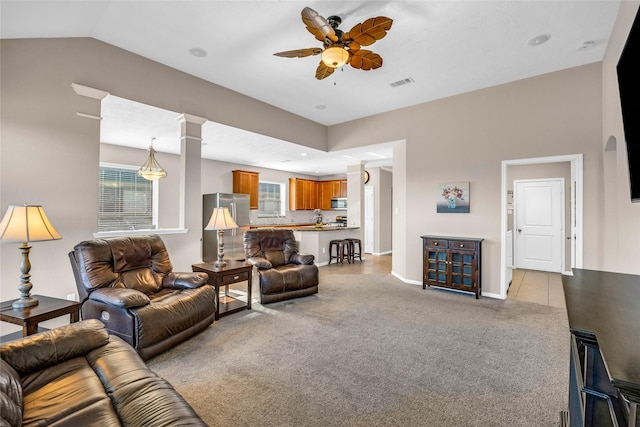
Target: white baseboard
[382, 253]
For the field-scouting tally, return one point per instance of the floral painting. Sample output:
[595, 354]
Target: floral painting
[453, 197]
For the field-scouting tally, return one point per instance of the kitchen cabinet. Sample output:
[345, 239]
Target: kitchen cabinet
[452, 262]
[306, 194]
[303, 194]
[343, 188]
[245, 182]
[325, 194]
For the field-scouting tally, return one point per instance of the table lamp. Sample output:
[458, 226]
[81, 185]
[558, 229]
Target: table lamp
[26, 223]
[221, 220]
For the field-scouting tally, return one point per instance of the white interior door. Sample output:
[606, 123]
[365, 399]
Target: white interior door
[539, 222]
[368, 219]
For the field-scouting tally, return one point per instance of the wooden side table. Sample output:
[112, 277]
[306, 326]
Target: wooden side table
[233, 272]
[48, 308]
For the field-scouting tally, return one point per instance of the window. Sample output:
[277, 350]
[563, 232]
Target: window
[271, 199]
[125, 200]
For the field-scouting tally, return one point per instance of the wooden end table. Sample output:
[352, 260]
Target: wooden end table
[48, 308]
[233, 272]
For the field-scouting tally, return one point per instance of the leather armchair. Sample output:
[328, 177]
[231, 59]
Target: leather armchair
[128, 283]
[283, 272]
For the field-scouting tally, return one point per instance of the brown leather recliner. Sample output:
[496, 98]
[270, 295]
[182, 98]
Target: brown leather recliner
[128, 283]
[284, 273]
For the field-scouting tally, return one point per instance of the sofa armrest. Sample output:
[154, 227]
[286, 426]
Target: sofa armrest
[260, 262]
[302, 259]
[10, 396]
[184, 280]
[120, 297]
[48, 348]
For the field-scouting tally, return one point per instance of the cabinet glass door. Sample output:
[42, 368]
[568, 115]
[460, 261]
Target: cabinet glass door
[436, 266]
[462, 269]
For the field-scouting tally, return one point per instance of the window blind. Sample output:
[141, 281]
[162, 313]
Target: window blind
[125, 200]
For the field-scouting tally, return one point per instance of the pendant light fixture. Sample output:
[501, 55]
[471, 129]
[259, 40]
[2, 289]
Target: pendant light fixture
[151, 169]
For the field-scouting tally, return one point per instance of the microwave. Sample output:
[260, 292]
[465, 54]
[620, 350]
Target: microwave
[339, 203]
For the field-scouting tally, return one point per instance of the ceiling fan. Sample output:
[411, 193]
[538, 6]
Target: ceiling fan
[341, 48]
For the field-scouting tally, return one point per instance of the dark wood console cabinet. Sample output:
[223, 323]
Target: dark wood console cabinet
[452, 262]
[604, 370]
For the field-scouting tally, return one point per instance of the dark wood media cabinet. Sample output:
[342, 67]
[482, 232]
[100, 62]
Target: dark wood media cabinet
[604, 320]
[452, 262]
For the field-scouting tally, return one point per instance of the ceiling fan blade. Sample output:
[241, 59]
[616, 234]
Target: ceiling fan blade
[365, 60]
[323, 71]
[318, 26]
[369, 31]
[300, 53]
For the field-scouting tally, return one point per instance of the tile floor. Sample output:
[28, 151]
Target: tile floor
[538, 287]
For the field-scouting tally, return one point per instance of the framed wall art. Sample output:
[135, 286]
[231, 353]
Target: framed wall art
[453, 197]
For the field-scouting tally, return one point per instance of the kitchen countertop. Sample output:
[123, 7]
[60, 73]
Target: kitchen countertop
[324, 228]
[305, 227]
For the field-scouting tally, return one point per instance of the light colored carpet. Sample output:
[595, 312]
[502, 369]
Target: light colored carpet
[369, 350]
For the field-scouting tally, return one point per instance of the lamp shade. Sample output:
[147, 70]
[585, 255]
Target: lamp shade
[26, 223]
[221, 219]
[335, 56]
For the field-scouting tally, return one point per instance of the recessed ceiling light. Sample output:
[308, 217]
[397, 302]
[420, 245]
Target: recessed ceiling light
[303, 154]
[321, 107]
[586, 45]
[537, 41]
[197, 52]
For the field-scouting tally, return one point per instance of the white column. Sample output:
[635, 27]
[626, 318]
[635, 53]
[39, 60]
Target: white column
[190, 170]
[355, 197]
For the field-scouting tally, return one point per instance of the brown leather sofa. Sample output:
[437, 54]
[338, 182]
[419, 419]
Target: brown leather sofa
[128, 283]
[79, 375]
[284, 273]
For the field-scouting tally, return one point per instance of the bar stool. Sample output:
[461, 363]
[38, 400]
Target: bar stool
[352, 249]
[343, 251]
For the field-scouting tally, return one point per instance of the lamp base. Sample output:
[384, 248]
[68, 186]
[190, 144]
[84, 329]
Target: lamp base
[24, 302]
[220, 263]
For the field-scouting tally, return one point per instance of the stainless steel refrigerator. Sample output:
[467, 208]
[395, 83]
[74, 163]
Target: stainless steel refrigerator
[238, 205]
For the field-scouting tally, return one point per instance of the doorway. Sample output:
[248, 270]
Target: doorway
[575, 227]
[539, 224]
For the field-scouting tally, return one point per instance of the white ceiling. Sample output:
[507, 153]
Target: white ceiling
[444, 47]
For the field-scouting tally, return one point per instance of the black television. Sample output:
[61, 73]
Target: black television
[629, 85]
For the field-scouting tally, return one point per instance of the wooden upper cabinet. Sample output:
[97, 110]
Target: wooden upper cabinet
[325, 195]
[303, 194]
[343, 188]
[245, 182]
[306, 194]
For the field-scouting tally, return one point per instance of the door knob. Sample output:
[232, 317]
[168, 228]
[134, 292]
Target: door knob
[519, 230]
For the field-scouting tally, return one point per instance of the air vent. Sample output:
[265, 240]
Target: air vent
[402, 82]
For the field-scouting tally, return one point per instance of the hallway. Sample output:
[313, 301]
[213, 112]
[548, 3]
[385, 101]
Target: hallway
[539, 287]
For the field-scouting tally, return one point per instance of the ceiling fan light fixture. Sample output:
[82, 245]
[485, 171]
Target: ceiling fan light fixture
[335, 56]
